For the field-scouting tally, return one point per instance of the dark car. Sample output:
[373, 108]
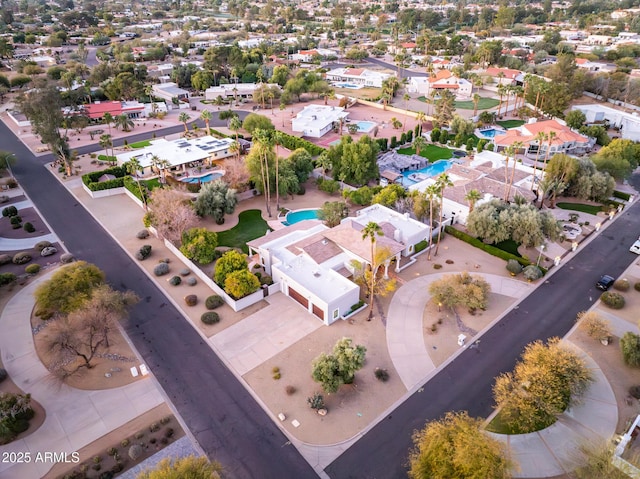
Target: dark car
[458, 153]
[605, 282]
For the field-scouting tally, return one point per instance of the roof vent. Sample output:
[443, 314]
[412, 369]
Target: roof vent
[316, 273]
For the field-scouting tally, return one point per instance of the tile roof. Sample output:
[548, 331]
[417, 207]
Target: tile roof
[348, 235]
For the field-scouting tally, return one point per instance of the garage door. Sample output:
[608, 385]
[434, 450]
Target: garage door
[318, 312]
[298, 297]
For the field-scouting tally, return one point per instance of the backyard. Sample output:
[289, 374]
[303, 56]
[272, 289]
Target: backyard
[250, 226]
[590, 209]
[483, 104]
[431, 152]
[510, 123]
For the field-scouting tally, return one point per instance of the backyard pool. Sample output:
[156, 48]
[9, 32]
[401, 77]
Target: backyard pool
[365, 126]
[489, 133]
[294, 217]
[434, 169]
[202, 179]
[351, 86]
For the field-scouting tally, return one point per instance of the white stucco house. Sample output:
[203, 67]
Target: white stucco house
[629, 123]
[314, 264]
[168, 91]
[316, 120]
[357, 76]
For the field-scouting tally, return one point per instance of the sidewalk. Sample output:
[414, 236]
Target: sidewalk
[74, 418]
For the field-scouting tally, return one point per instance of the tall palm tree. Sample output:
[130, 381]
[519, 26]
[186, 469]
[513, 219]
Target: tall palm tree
[473, 196]
[184, 118]
[540, 137]
[515, 147]
[236, 149]
[476, 99]
[501, 91]
[263, 139]
[372, 230]
[419, 143]
[161, 165]
[108, 119]
[123, 121]
[508, 151]
[106, 142]
[206, 117]
[234, 125]
[406, 99]
[431, 193]
[443, 181]
[133, 166]
[550, 137]
[421, 117]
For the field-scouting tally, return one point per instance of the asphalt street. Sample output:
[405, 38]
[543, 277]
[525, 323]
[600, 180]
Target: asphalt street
[224, 418]
[465, 384]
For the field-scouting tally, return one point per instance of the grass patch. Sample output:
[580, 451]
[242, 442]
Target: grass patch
[250, 226]
[424, 99]
[510, 123]
[483, 104]
[152, 183]
[590, 209]
[140, 144]
[492, 250]
[366, 93]
[107, 159]
[431, 152]
[498, 426]
[509, 246]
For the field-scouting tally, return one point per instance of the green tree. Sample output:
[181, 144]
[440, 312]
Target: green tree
[199, 244]
[456, 446]
[389, 195]
[6, 159]
[354, 162]
[461, 289]
[575, 119]
[202, 79]
[68, 288]
[231, 261]
[419, 143]
[190, 467]
[473, 196]
[444, 109]
[442, 182]
[280, 75]
[253, 122]
[334, 370]
[332, 212]
[15, 409]
[216, 199]
[548, 380]
[630, 347]
[239, 284]
[124, 122]
[619, 158]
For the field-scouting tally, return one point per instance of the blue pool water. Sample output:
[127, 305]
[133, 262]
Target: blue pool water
[365, 126]
[294, 217]
[434, 169]
[491, 132]
[348, 85]
[202, 179]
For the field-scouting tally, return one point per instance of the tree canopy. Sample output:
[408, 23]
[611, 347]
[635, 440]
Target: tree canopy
[216, 199]
[231, 261]
[199, 244]
[354, 162]
[334, 370]
[190, 467]
[461, 289]
[253, 121]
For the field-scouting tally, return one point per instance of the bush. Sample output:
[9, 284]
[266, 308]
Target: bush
[594, 325]
[301, 190]
[144, 252]
[6, 259]
[437, 266]
[32, 269]
[161, 269]
[634, 391]
[124, 442]
[191, 281]
[3, 374]
[9, 211]
[621, 285]
[635, 286]
[213, 302]
[630, 347]
[66, 258]
[514, 267]
[28, 227]
[210, 317]
[612, 299]
[185, 272]
[532, 272]
[492, 250]
[142, 234]
[21, 258]
[48, 251]
[381, 375]
[135, 452]
[316, 401]
[266, 279]
[290, 390]
[175, 280]
[191, 300]
[40, 245]
[15, 220]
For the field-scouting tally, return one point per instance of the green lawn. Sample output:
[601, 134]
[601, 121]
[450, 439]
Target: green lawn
[250, 226]
[431, 152]
[152, 183]
[140, 144]
[590, 209]
[510, 123]
[509, 246]
[483, 104]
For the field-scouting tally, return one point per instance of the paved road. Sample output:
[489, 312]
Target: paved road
[221, 414]
[466, 383]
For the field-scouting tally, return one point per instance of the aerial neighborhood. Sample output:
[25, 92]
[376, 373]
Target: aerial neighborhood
[319, 239]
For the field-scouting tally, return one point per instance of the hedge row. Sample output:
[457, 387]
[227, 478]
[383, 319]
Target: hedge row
[293, 143]
[132, 185]
[621, 195]
[106, 185]
[492, 250]
[117, 171]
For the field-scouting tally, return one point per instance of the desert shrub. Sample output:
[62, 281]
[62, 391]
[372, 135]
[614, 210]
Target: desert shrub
[168, 432]
[316, 401]
[634, 391]
[40, 245]
[290, 390]
[532, 272]
[142, 234]
[112, 451]
[191, 281]
[9, 211]
[28, 227]
[6, 259]
[6, 278]
[124, 442]
[144, 252]
[514, 267]
[594, 325]
[191, 300]
[612, 299]
[161, 269]
[449, 261]
[437, 266]
[32, 268]
[621, 284]
[165, 420]
[635, 286]
[15, 220]
[210, 317]
[266, 279]
[213, 302]
[21, 258]
[135, 452]
[185, 272]
[630, 348]
[48, 251]
[3, 374]
[155, 427]
[175, 280]
[381, 374]
[66, 258]
[276, 376]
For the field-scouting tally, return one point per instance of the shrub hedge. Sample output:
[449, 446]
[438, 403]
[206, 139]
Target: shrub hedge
[7, 278]
[91, 179]
[621, 195]
[293, 143]
[492, 250]
[612, 299]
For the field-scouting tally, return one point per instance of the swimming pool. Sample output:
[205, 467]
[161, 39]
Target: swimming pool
[365, 126]
[489, 133]
[434, 169]
[351, 86]
[294, 217]
[202, 179]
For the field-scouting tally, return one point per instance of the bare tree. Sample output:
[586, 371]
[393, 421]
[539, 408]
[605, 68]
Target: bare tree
[171, 213]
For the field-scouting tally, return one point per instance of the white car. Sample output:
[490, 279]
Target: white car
[635, 247]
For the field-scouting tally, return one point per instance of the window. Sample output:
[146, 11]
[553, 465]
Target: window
[336, 313]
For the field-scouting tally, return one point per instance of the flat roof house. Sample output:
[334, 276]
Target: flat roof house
[316, 120]
[168, 91]
[357, 76]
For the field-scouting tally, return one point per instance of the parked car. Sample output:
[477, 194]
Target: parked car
[635, 247]
[605, 282]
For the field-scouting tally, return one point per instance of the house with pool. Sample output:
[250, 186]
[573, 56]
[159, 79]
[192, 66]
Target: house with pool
[314, 264]
[315, 121]
[181, 154]
[355, 78]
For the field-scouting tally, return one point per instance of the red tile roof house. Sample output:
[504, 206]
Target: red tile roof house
[96, 111]
[565, 140]
[503, 76]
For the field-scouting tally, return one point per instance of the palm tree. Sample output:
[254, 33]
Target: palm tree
[105, 142]
[419, 143]
[206, 117]
[108, 119]
[431, 193]
[406, 99]
[161, 165]
[184, 118]
[476, 99]
[395, 123]
[277, 139]
[421, 117]
[385, 97]
[235, 149]
[234, 125]
[550, 137]
[540, 137]
[371, 231]
[501, 92]
[473, 196]
[123, 121]
[263, 140]
[443, 182]
[133, 166]
[507, 153]
[283, 107]
[515, 147]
